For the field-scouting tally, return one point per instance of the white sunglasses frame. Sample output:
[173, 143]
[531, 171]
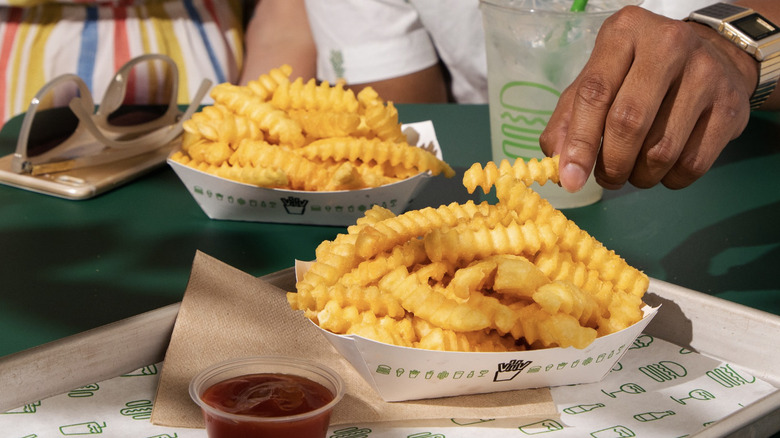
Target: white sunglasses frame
[91, 132]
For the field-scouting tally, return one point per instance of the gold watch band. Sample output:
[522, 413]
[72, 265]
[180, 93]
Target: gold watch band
[767, 81]
[752, 33]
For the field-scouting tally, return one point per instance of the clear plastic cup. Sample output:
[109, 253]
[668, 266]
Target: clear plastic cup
[286, 422]
[535, 49]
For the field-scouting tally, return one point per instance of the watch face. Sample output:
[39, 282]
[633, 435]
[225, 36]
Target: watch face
[755, 26]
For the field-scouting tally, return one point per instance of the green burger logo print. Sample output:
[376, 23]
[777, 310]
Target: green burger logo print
[526, 109]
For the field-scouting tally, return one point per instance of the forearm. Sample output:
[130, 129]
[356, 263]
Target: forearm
[424, 86]
[278, 33]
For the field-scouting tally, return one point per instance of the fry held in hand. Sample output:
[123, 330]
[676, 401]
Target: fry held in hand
[473, 277]
[321, 137]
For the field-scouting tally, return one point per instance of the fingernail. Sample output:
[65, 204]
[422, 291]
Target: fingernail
[573, 177]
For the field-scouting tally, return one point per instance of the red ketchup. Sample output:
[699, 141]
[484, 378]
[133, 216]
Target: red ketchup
[267, 396]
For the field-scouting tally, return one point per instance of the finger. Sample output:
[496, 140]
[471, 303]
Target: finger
[658, 68]
[592, 94]
[687, 99]
[713, 131]
[665, 141]
[552, 138]
[708, 110]
[692, 162]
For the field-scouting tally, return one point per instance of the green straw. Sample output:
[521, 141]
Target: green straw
[579, 5]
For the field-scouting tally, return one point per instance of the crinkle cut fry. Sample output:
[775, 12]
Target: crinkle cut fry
[271, 119]
[319, 124]
[379, 151]
[418, 297]
[462, 244]
[363, 298]
[559, 265]
[344, 176]
[432, 272]
[267, 83]
[422, 301]
[435, 338]
[565, 297]
[516, 277]
[379, 119]
[534, 170]
[611, 267]
[187, 139]
[622, 308]
[585, 248]
[309, 95]
[557, 330]
[388, 330]
[469, 278]
[211, 152]
[217, 123]
[382, 120]
[333, 259]
[368, 97]
[302, 173]
[396, 230]
[258, 176]
[607, 263]
[350, 320]
[397, 173]
[181, 157]
[373, 215]
[371, 270]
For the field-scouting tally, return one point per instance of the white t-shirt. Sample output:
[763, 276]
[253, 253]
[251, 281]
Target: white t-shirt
[364, 41]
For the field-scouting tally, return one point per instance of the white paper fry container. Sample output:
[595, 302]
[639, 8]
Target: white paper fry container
[224, 199]
[403, 373]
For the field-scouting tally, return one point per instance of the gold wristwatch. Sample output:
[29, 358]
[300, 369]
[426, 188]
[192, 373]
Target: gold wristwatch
[751, 32]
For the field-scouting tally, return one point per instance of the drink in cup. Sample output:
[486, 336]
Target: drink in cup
[535, 49]
[267, 396]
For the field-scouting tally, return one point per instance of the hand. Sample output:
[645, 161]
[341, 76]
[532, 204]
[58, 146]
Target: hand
[658, 101]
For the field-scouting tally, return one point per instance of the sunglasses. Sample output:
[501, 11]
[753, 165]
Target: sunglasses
[62, 129]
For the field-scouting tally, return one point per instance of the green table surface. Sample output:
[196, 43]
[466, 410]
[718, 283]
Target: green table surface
[68, 266]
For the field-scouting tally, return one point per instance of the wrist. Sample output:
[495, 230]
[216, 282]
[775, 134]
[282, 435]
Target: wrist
[748, 67]
[752, 33]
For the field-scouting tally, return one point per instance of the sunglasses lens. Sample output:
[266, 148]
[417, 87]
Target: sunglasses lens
[54, 121]
[148, 94]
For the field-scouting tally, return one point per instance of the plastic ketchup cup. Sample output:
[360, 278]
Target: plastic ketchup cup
[268, 396]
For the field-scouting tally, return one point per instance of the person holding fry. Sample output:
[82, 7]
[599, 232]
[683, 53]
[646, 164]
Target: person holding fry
[665, 116]
[656, 104]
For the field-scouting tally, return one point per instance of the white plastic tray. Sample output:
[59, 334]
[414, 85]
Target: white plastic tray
[741, 335]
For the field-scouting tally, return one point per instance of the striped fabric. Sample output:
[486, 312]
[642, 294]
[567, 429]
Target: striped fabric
[44, 39]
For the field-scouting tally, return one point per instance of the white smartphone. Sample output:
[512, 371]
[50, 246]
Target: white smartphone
[85, 182]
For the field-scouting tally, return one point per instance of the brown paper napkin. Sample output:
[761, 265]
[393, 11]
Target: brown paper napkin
[226, 313]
